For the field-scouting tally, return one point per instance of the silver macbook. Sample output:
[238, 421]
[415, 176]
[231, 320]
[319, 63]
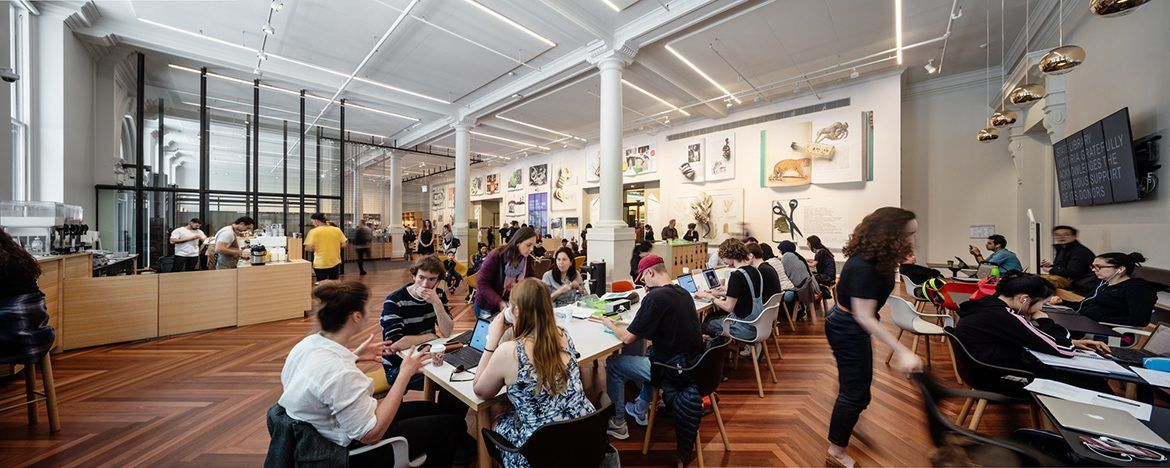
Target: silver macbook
[1101, 420]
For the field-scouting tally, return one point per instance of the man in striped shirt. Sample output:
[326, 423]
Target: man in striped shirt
[414, 314]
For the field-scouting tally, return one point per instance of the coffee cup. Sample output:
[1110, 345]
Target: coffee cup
[437, 354]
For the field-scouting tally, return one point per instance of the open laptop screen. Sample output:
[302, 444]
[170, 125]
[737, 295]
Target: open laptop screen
[712, 278]
[688, 283]
[480, 335]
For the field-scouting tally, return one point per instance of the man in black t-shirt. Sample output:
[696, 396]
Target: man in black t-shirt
[736, 296]
[667, 318]
[771, 277]
[414, 314]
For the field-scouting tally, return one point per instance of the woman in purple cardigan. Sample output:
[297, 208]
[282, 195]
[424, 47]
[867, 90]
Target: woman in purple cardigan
[502, 269]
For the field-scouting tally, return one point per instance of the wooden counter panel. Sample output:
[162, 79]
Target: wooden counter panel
[196, 300]
[273, 292]
[106, 310]
[50, 284]
[78, 266]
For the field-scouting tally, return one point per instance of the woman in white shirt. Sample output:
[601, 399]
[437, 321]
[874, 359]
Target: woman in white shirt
[324, 387]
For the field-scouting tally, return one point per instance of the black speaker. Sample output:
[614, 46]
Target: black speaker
[596, 273]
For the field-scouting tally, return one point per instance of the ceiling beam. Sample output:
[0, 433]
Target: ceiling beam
[580, 17]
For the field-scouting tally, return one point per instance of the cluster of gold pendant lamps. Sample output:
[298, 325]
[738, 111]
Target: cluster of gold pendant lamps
[1057, 61]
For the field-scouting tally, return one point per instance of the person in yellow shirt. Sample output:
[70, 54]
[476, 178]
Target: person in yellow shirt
[325, 242]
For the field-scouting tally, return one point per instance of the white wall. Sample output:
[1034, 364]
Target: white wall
[950, 179]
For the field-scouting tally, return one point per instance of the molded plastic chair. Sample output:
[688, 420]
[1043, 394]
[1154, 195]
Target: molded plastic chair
[941, 427]
[707, 373]
[914, 290]
[763, 325]
[955, 293]
[910, 320]
[778, 300]
[578, 262]
[621, 286]
[580, 442]
[470, 280]
[379, 380]
[987, 378]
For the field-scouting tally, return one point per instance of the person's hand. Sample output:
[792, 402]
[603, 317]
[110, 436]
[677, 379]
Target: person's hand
[411, 364]
[973, 250]
[496, 331]
[1094, 346]
[371, 350]
[609, 323]
[1045, 263]
[703, 294]
[906, 362]
[246, 254]
[429, 296]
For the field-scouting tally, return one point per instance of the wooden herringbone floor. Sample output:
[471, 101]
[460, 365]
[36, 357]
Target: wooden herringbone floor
[200, 400]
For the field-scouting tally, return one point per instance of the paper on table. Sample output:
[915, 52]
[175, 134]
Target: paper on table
[1064, 391]
[1103, 366]
[1155, 378]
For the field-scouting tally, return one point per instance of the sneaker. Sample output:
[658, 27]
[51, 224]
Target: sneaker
[641, 418]
[747, 351]
[617, 430]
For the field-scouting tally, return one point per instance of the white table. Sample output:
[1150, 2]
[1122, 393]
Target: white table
[590, 338]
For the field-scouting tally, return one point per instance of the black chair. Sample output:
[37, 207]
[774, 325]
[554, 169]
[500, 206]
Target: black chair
[1005, 381]
[707, 373]
[998, 452]
[580, 442]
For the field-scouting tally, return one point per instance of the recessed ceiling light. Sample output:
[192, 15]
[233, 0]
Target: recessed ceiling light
[700, 72]
[518, 142]
[512, 23]
[267, 28]
[656, 98]
[526, 124]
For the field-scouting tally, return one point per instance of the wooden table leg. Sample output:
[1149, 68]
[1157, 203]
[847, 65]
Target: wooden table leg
[429, 390]
[482, 420]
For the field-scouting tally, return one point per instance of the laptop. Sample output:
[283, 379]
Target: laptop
[1100, 420]
[468, 356]
[1157, 345]
[688, 283]
[712, 278]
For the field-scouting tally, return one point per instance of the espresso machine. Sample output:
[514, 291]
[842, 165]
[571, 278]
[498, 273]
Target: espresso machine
[44, 228]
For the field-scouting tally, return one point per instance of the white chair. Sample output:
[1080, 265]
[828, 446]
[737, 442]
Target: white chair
[401, 452]
[910, 320]
[763, 325]
[914, 290]
[778, 300]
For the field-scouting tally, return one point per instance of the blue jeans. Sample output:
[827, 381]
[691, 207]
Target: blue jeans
[622, 368]
[741, 331]
[485, 314]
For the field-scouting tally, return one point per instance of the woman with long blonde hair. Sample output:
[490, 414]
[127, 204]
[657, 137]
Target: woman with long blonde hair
[539, 368]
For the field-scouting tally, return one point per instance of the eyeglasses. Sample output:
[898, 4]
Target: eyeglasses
[460, 370]
[1096, 267]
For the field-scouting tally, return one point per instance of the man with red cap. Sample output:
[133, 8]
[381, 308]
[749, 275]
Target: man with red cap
[667, 318]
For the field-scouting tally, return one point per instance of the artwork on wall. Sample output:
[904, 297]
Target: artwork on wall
[492, 184]
[451, 196]
[721, 157]
[477, 186]
[718, 213]
[538, 212]
[438, 198]
[538, 175]
[692, 168]
[517, 205]
[782, 164]
[516, 180]
[836, 147]
[593, 168]
[565, 191]
[785, 224]
[640, 159]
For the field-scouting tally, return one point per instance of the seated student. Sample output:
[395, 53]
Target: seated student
[477, 259]
[692, 235]
[742, 293]
[772, 285]
[667, 318]
[452, 275]
[796, 267]
[1000, 255]
[414, 314]
[539, 368]
[1120, 298]
[826, 263]
[917, 273]
[1069, 269]
[998, 330]
[323, 386]
[563, 280]
[641, 249]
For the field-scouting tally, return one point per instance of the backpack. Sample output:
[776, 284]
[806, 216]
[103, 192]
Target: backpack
[931, 289]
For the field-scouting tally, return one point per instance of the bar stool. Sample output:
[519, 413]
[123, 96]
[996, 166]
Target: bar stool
[32, 396]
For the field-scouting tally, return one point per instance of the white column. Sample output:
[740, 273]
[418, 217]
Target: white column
[611, 240]
[394, 224]
[462, 186]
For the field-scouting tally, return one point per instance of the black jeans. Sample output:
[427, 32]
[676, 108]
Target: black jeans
[185, 264]
[362, 254]
[427, 429]
[330, 273]
[853, 350]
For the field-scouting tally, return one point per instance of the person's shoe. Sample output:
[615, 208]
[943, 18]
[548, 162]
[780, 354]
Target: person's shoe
[620, 431]
[641, 418]
[363, 273]
[747, 351]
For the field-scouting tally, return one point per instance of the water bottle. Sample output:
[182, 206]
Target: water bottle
[995, 271]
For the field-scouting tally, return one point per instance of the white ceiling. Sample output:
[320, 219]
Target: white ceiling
[452, 57]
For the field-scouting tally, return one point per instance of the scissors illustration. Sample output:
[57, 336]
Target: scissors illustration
[787, 217]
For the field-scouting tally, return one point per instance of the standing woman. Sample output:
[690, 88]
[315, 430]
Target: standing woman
[448, 237]
[563, 280]
[501, 270]
[876, 247]
[426, 239]
[25, 334]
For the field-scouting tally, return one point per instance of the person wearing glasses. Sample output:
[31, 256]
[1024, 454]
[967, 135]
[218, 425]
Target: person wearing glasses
[1069, 268]
[1120, 298]
[539, 368]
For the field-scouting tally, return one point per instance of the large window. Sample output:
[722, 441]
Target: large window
[18, 52]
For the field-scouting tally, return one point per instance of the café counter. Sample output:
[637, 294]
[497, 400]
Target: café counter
[104, 310]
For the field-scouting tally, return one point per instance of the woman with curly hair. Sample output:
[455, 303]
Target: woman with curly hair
[876, 247]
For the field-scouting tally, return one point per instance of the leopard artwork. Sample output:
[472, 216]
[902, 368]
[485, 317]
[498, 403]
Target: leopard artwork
[800, 166]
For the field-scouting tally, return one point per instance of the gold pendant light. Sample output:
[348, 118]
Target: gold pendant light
[1002, 117]
[1064, 58]
[1027, 94]
[987, 134]
[1114, 8]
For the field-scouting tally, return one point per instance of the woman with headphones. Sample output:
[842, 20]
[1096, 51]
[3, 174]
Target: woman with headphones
[998, 329]
[1120, 298]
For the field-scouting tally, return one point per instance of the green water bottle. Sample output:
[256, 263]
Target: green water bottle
[995, 271]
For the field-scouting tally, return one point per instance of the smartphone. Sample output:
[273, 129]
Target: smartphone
[423, 348]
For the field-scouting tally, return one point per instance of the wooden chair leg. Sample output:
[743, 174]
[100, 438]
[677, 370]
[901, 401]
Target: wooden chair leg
[788, 313]
[978, 416]
[756, 365]
[768, 359]
[954, 365]
[719, 421]
[926, 341]
[914, 347]
[699, 451]
[891, 356]
[776, 341]
[650, 423]
[50, 393]
[30, 392]
[735, 360]
[963, 412]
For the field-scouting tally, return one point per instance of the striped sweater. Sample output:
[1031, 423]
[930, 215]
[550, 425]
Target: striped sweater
[995, 334]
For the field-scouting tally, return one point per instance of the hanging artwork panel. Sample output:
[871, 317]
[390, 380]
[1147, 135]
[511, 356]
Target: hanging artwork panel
[538, 213]
[593, 168]
[516, 180]
[451, 196]
[565, 189]
[718, 213]
[492, 184]
[516, 205]
[720, 157]
[640, 159]
[782, 163]
[477, 186]
[692, 166]
[538, 175]
[787, 218]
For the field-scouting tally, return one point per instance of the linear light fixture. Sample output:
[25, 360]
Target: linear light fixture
[611, 5]
[509, 140]
[704, 75]
[512, 23]
[656, 98]
[293, 61]
[526, 124]
[898, 29]
[224, 109]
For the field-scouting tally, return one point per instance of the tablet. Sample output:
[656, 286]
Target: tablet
[688, 283]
